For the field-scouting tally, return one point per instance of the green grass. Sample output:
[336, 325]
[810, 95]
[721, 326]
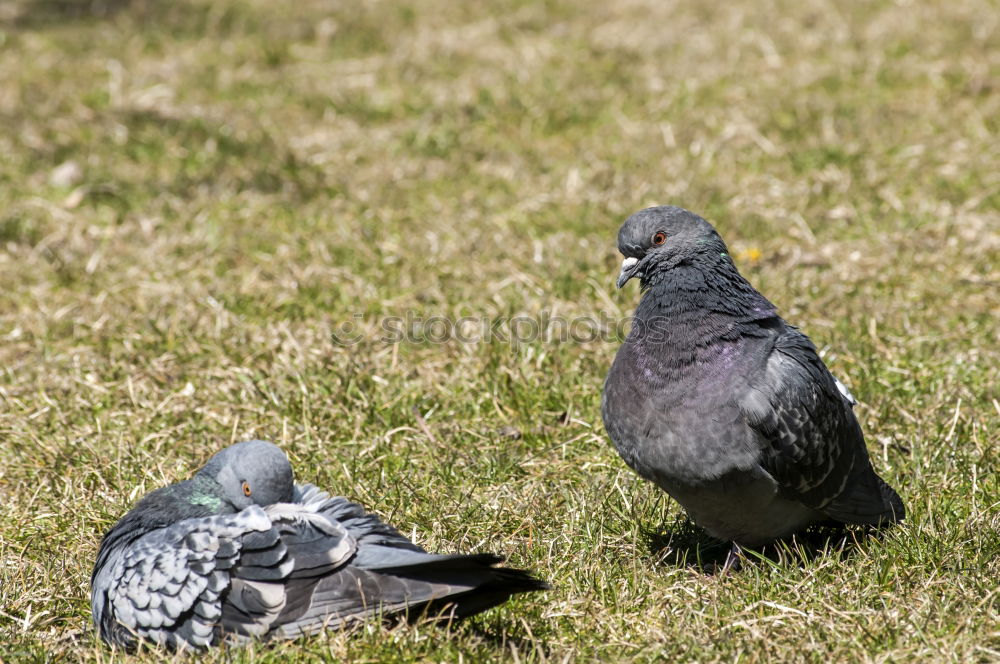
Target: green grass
[249, 176]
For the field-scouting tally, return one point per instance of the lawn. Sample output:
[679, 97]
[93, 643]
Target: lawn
[203, 201]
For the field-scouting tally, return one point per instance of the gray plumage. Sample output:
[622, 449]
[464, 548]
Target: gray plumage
[722, 404]
[239, 551]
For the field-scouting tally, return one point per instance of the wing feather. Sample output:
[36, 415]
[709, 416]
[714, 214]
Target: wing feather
[164, 586]
[811, 443]
[282, 571]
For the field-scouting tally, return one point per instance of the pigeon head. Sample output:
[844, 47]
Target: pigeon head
[253, 472]
[659, 238]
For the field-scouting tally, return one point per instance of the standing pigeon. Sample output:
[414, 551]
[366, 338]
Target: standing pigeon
[238, 551]
[722, 404]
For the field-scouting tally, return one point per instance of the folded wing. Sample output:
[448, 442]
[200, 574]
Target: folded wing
[168, 586]
[389, 574]
[811, 442]
[284, 571]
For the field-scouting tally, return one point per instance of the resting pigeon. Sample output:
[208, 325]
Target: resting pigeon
[722, 404]
[238, 551]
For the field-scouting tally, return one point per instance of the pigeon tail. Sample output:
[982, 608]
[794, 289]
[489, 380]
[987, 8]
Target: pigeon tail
[490, 586]
[898, 512]
[440, 588]
[866, 505]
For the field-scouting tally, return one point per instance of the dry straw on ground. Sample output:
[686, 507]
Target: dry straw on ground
[195, 195]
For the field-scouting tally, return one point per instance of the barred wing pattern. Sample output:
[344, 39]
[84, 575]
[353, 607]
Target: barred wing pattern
[811, 442]
[188, 584]
[284, 571]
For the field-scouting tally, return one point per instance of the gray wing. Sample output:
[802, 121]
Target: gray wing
[167, 586]
[187, 585]
[284, 571]
[378, 542]
[276, 566]
[388, 574]
[811, 442]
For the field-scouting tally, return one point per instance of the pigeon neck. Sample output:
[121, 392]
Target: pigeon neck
[701, 294]
[164, 507]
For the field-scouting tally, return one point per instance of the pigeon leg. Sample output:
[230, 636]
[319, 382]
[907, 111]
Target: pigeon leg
[733, 559]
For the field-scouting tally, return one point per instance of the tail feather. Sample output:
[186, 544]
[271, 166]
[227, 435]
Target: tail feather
[871, 503]
[488, 586]
[889, 495]
[440, 586]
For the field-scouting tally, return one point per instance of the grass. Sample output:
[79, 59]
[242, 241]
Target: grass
[195, 196]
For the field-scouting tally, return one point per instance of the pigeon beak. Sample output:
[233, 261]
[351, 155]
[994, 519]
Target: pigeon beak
[629, 266]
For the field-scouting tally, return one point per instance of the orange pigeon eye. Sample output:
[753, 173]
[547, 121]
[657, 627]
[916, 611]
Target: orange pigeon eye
[659, 238]
[246, 488]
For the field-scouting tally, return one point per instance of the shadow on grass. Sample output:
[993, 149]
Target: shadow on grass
[504, 641]
[44, 13]
[493, 633]
[686, 545]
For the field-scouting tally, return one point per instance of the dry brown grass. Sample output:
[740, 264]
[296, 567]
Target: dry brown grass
[194, 196]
